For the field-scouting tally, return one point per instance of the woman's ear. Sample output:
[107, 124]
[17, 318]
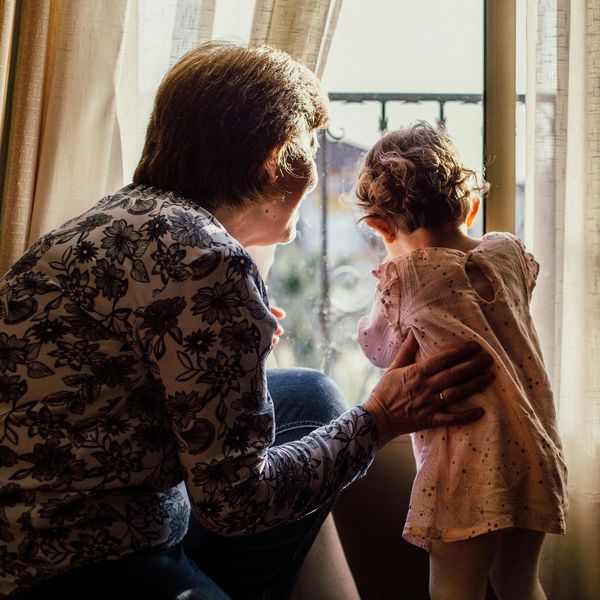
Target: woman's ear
[379, 225]
[473, 212]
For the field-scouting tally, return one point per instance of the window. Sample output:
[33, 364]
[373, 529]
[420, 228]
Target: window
[390, 63]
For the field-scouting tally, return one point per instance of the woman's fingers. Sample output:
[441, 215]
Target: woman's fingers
[460, 392]
[406, 353]
[461, 372]
[447, 358]
[444, 419]
[278, 313]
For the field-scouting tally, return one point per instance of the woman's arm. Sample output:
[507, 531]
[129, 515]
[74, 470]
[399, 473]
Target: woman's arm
[211, 363]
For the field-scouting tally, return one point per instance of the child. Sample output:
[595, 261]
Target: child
[484, 494]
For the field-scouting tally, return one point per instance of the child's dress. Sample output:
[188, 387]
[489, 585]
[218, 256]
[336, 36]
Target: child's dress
[507, 469]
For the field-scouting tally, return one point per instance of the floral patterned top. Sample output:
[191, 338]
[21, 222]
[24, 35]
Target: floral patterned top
[132, 389]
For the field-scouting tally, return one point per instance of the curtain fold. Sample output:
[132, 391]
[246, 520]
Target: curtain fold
[24, 51]
[7, 21]
[194, 24]
[79, 152]
[563, 227]
[303, 29]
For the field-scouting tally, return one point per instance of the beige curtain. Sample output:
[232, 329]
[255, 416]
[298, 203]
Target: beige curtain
[563, 228]
[79, 158]
[304, 29]
[24, 53]
[76, 89]
[59, 126]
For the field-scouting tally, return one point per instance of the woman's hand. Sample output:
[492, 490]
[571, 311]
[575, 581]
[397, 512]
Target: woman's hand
[411, 396]
[278, 313]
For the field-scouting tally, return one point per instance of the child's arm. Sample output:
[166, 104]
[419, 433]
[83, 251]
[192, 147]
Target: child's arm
[379, 334]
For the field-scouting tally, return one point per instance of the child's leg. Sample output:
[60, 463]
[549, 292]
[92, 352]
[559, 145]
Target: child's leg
[514, 574]
[459, 570]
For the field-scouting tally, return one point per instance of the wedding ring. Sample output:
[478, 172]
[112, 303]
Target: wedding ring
[442, 398]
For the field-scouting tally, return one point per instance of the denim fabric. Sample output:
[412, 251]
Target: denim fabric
[262, 566]
[161, 575]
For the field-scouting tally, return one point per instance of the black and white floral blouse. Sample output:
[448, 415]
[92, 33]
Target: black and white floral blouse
[132, 389]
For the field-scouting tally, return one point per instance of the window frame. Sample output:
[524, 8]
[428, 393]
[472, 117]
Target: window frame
[499, 113]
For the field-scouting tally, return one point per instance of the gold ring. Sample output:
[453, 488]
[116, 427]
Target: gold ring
[442, 398]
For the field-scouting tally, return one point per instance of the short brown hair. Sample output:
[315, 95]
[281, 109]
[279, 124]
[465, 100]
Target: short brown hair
[413, 178]
[219, 114]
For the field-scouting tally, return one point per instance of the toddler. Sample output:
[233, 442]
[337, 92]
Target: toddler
[486, 493]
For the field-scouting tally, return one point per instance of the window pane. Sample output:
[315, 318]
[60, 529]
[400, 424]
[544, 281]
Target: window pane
[383, 47]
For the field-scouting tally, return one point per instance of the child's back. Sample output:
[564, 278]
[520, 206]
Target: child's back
[484, 493]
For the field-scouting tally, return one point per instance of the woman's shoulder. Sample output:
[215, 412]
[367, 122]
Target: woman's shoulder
[177, 240]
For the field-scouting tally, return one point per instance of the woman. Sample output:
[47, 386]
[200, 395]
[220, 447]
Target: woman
[132, 352]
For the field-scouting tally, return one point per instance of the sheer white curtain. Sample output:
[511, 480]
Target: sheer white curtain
[563, 228]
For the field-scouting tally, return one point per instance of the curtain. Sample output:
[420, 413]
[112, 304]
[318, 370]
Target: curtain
[24, 50]
[59, 127]
[562, 225]
[304, 29]
[78, 82]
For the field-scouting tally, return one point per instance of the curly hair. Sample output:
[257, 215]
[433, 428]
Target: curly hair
[220, 113]
[413, 178]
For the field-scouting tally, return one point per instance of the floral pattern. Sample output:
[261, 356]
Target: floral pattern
[132, 390]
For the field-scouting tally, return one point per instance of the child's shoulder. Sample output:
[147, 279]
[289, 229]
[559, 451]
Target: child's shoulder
[419, 263]
[507, 256]
[498, 236]
[503, 238]
[502, 243]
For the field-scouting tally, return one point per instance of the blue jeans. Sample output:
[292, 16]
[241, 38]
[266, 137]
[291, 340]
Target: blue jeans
[205, 566]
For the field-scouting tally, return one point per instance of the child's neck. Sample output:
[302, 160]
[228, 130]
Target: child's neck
[450, 235]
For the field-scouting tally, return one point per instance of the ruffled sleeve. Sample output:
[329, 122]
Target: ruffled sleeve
[379, 333]
[531, 267]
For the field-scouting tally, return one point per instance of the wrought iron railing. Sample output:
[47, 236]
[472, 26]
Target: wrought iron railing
[385, 98]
